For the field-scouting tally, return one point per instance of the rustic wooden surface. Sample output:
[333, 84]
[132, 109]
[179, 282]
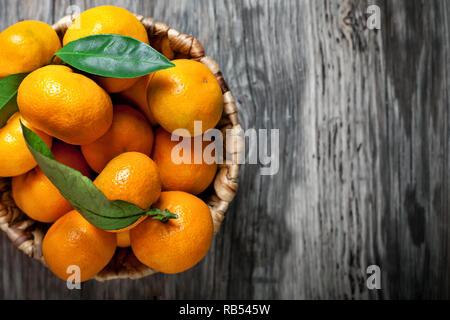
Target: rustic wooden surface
[364, 151]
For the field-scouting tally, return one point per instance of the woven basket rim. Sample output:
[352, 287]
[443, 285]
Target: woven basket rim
[27, 234]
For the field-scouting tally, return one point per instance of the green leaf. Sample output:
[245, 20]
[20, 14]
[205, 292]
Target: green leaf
[83, 195]
[8, 96]
[115, 56]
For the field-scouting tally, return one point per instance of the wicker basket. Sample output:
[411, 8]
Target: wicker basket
[27, 234]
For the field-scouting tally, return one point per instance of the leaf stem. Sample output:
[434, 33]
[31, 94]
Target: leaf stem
[161, 215]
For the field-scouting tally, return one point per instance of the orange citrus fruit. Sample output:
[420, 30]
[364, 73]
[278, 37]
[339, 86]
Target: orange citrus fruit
[73, 241]
[15, 158]
[35, 195]
[131, 177]
[26, 46]
[65, 105]
[123, 239]
[107, 20]
[193, 178]
[178, 244]
[137, 95]
[71, 156]
[183, 94]
[115, 85]
[129, 131]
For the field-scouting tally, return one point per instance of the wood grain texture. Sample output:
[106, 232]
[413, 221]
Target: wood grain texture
[364, 152]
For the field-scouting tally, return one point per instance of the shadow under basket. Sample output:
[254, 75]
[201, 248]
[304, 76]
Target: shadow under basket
[27, 234]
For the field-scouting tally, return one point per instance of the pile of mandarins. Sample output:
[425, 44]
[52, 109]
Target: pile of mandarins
[124, 148]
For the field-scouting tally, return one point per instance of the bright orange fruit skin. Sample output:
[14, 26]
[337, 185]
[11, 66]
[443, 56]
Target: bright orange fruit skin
[183, 94]
[35, 195]
[26, 46]
[178, 244]
[131, 177]
[65, 105]
[72, 240]
[71, 156]
[15, 158]
[192, 178]
[115, 85]
[123, 239]
[129, 131]
[108, 20]
[137, 95]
